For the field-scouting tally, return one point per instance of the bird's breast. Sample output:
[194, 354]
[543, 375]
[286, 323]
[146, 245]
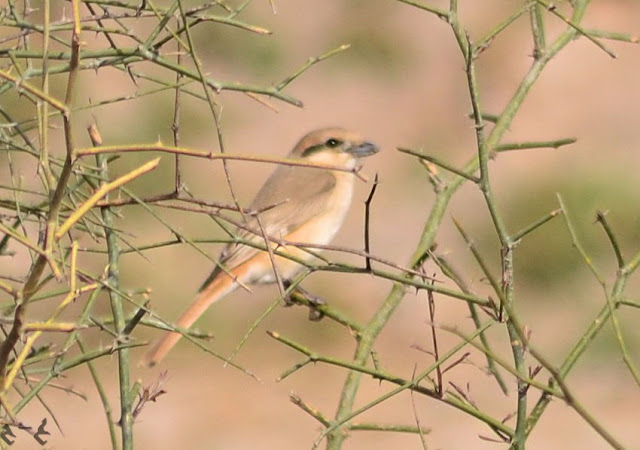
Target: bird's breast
[322, 228]
[319, 230]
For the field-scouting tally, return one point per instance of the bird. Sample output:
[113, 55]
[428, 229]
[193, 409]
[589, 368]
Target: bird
[299, 204]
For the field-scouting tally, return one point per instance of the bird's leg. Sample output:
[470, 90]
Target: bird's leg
[300, 296]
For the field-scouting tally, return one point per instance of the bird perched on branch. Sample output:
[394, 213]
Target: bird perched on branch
[299, 205]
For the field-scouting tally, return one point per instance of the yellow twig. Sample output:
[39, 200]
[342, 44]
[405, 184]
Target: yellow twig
[28, 345]
[158, 147]
[34, 91]
[63, 327]
[8, 289]
[101, 192]
[27, 243]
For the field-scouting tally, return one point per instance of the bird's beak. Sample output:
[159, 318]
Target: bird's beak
[363, 149]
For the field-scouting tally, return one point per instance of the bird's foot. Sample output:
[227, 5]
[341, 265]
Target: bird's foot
[300, 296]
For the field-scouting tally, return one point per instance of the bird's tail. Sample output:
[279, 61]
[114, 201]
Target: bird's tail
[217, 289]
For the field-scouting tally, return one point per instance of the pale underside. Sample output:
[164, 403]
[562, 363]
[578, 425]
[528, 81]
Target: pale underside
[317, 203]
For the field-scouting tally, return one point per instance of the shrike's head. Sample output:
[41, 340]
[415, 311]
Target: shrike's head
[333, 146]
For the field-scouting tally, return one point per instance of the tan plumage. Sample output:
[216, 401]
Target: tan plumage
[310, 206]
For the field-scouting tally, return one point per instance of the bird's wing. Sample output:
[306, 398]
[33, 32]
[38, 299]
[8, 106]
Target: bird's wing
[291, 197]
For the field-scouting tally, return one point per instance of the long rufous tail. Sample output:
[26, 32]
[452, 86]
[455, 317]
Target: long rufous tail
[217, 289]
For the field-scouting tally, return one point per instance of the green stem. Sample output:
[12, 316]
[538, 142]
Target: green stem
[371, 331]
[336, 438]
[113, 284]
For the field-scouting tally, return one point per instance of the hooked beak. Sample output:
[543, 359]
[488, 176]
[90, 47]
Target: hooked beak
[364, 149]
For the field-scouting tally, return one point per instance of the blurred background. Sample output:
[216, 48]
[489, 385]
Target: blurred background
[400, 84]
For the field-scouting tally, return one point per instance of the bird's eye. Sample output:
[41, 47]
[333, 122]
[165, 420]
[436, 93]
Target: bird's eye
[333, 143]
